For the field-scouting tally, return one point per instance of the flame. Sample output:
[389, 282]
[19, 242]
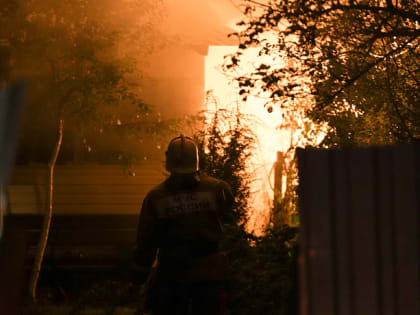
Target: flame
[270, 138]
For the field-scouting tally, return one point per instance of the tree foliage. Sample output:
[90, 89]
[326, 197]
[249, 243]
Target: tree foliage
[358, 60]
[73, 54]
[225, 147]
[82, 61]
[262, 269]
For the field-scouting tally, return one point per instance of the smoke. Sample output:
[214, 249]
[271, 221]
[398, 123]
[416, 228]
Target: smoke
[200, 19]
[176, 71]
[167, 39]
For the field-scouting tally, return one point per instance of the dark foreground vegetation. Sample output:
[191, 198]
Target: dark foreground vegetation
[262, 281]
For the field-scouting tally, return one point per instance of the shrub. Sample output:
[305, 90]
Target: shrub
[262, 268]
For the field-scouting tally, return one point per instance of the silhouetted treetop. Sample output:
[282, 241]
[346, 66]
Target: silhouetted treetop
[359, 60]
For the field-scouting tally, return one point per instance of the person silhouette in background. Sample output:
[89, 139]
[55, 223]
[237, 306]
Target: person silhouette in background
[180, 221]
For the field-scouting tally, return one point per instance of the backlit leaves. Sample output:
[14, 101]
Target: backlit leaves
[362, 52]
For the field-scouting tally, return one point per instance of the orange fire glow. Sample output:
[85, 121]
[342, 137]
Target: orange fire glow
[269, 137]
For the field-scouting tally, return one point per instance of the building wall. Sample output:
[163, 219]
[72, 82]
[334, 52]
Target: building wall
[83, 189]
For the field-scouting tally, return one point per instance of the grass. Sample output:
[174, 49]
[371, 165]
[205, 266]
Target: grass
[65, 292]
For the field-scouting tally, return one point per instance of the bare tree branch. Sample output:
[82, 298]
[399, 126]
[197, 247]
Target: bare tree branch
[352, 80]
[409, 14]
[402, 32]
[258, 3]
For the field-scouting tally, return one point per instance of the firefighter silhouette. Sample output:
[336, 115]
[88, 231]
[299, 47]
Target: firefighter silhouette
[180, 221]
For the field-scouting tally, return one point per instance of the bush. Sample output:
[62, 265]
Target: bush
[225, 146]
[264, 274]
[262, 268]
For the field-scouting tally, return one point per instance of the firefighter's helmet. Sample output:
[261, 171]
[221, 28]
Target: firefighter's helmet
[182, 156]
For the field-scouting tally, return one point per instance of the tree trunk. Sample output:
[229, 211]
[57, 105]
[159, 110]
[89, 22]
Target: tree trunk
[47, 218]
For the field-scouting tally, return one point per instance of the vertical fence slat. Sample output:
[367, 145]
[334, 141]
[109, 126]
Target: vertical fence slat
[406, 228]
[318, 238]
[304, 292]
[363, 232]
[360, 231]
[342, 236]
[385, 197]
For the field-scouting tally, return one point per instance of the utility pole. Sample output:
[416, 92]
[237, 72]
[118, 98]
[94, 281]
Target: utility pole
[279, 215]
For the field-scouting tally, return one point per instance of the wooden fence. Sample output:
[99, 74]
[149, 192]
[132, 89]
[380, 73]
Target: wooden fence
[96, 209]
[94, 222]
[360, 231]
[95, 217]
[82, 189]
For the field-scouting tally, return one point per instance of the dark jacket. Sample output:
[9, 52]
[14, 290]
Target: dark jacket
[182, 218]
